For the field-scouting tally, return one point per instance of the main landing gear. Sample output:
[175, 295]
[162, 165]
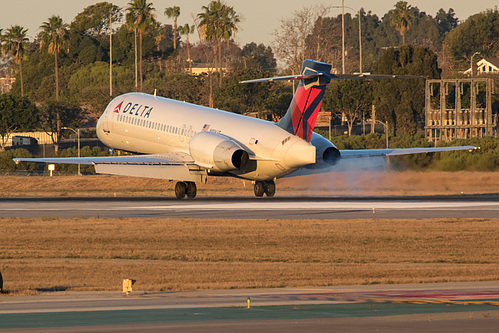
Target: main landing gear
[185, 188]
[264, 187]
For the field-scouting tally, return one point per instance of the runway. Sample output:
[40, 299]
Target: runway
[396, 207]
[445, 307]
[455, 307]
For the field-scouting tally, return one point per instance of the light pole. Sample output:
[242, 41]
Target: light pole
[471, 63]
[77, 131]
[385, 125]
[110, 54]
[343, 36]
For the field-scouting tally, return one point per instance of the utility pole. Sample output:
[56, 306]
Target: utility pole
[342, 36]
[136, 82]
[110, 55]
[360, 46]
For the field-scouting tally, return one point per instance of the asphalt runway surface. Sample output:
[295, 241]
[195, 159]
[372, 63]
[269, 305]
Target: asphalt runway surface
[453, 307]
[449, 307]
[396, 207]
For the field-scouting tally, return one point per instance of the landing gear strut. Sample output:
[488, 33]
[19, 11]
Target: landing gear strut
[185, 188]
[264, 187]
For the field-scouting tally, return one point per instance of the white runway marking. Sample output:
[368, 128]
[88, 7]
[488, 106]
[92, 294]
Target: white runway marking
[311, 205]
[258, 205]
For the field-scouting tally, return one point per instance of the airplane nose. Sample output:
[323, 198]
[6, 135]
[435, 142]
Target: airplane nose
[300, 153]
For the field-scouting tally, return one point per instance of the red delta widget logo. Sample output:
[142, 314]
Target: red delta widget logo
[134, 109]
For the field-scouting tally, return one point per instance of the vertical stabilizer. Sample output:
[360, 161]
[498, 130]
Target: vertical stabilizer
[302, 113]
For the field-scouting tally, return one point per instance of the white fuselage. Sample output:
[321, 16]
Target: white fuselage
[148, 124]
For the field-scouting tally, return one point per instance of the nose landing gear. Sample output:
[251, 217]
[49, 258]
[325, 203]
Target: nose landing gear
[264, 187]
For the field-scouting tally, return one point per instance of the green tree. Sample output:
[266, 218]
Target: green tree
[260, 57]
[88, 38]
[186, 30]
[479, 33]
[94, 19]
[16, 114]
[90, 84]
[7, 162]
[174, 12]
[16, 41]
[56, 114]
[269, 100]
[446, 21]
[401, 102]
[140, 16]
[353, 98]
[402, 18]
[53, 33]
[218, 23]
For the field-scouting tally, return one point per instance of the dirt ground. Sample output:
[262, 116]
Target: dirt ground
[181, 254]
[333, 184]
[43, 254]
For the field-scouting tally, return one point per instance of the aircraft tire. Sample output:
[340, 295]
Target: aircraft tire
[269, 187]
[180, 190]
[259, 189]
[191, 190]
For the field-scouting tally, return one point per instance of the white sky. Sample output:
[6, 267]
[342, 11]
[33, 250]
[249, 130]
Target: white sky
[260, 17]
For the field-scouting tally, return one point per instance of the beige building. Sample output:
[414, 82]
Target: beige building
[43, 138]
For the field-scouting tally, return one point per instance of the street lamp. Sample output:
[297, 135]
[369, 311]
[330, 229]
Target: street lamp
[471, 63]
[343, 36]
[77, 131]
[385, 125]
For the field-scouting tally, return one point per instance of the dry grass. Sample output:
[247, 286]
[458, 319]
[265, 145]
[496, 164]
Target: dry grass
[184, 254]
[339, 183]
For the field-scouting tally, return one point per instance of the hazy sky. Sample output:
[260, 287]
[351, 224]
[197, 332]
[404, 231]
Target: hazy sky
[259, 17]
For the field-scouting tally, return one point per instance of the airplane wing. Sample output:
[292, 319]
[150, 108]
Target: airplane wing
[370, 159]
[172, 166]
[159, 159]
[355, 153]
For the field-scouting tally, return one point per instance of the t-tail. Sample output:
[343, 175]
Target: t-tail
[302, 113]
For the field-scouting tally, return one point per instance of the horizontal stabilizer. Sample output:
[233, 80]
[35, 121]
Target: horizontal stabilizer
[334, 77]
[372, 77]
[284, 78]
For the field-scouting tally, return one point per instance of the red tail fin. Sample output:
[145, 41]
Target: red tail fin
[302, 113]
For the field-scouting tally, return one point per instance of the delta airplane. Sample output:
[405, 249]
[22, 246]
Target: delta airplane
[187, 143]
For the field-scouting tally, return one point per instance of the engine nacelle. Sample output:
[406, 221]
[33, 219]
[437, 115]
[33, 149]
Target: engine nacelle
[217, 152]
[326, 153]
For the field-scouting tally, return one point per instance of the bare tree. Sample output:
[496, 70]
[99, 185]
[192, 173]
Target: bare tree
[291, 36]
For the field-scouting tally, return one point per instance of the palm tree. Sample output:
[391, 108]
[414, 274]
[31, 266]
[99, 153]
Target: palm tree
[130, 23]
[402, 18]
[142, 15]
[175, 13]
[186, 30]
[53, 34]
[219, 22]
[15, 41]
